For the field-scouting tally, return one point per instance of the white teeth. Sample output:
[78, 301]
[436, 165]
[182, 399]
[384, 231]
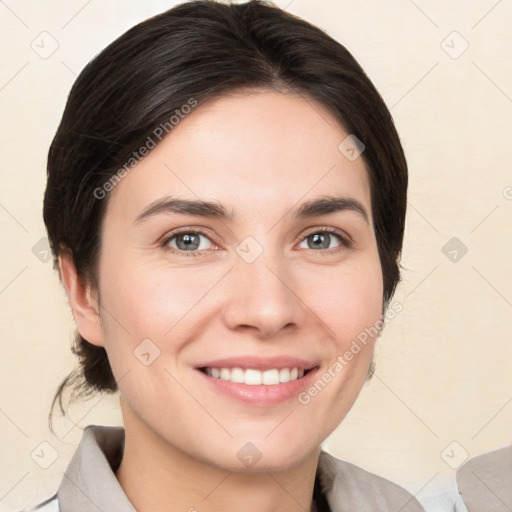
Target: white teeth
[284, 375]
[252, 377]
[270, 377]
[237, 375]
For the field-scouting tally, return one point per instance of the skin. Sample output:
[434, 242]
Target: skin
[261, 154]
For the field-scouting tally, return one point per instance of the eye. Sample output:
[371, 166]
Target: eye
[321, 239]
[187, 241]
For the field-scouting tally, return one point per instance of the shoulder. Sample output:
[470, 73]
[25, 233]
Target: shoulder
[484, 481]
[49, 505]
[349, 487]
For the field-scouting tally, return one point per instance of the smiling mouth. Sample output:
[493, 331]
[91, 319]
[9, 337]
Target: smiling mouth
[252, 377]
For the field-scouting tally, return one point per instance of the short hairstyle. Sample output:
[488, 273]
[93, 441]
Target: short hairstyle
[201, 50]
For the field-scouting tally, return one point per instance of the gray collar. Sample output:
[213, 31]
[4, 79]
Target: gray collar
[484, 481]
[90, 484]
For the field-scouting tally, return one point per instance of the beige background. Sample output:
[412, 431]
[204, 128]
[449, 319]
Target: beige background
[444, 363]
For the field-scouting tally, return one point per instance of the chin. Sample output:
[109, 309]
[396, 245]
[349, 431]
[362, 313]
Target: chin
[259, 453]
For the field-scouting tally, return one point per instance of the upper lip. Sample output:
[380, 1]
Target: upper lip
[259, 363]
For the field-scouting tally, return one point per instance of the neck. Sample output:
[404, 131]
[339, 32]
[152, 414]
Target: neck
[159, 477]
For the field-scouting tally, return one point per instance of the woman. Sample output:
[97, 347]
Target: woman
[225, 203]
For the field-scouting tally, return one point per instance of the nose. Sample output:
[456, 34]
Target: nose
[262, 298]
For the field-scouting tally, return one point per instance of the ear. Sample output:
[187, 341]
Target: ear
[83, 302]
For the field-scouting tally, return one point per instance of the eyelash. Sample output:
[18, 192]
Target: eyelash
[345, 241]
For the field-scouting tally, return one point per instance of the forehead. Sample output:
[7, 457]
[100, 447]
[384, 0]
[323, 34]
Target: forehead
[255, 151]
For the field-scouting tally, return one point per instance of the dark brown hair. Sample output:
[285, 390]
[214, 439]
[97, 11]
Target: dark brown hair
[202, 49]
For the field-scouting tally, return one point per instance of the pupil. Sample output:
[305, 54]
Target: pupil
[317, 237]
[189, 241]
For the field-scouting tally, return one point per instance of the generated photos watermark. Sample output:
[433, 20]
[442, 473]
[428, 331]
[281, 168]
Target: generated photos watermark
[342, 360]
[152, 140]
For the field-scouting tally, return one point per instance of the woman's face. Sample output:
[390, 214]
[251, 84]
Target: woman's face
[251, 289]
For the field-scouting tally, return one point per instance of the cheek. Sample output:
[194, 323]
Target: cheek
[145, 312]
[350, 306]
[166, 304]
[150, 300]
[154, 302]
[347, 299]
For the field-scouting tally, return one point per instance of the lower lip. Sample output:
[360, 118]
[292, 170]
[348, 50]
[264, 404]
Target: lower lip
[261, 395]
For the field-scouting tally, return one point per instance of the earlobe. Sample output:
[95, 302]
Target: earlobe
[83, 302]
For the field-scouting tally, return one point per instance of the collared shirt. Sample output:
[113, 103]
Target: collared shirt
[485, 482]
[90, 485]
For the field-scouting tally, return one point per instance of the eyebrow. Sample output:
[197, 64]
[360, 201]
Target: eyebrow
[210, 209]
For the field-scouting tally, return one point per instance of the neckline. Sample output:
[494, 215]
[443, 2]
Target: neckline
[320, 503]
